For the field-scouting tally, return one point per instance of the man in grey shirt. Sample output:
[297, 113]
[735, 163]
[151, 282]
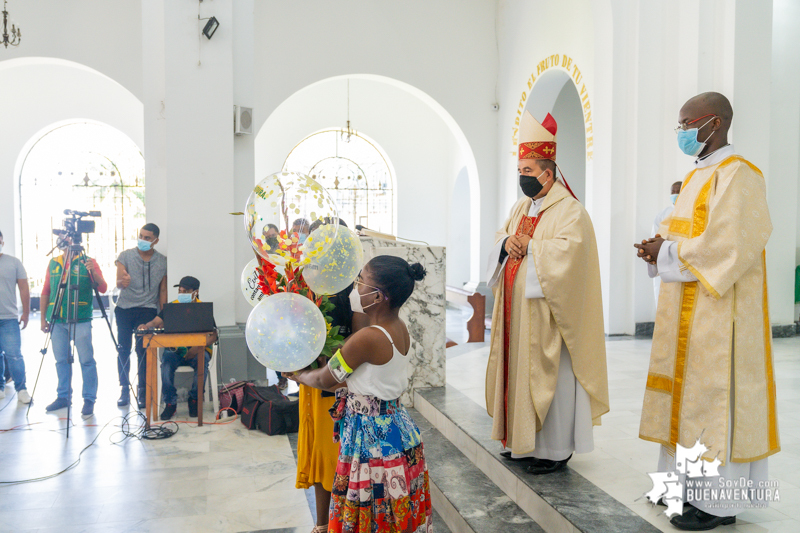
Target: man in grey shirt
[12, 276]
[142, 276]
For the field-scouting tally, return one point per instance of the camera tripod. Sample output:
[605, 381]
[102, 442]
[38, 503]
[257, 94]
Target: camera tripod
[67, 293]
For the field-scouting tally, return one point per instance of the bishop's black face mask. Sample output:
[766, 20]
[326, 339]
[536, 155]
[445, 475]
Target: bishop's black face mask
[530, 185]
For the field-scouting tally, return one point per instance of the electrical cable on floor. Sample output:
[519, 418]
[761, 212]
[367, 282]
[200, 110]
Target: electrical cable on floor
[9, 400]
[70, 467]
[160, 431]
[156, 431]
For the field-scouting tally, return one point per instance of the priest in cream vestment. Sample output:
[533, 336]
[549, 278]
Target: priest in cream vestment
[711, 374]
[546, 380]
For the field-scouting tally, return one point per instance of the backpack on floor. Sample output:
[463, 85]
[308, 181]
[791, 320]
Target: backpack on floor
[231, 396]
[267, 409]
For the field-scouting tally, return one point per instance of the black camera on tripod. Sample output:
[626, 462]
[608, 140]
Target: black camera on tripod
[75, 227]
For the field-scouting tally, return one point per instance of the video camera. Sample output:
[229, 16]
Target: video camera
[74, 227]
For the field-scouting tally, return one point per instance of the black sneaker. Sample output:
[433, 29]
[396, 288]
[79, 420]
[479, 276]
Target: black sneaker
[60, 403]
[192, 408]
[88, 409]
[168, 412]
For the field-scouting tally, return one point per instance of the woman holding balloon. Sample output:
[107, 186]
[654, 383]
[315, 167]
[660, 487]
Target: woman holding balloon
[374, 430]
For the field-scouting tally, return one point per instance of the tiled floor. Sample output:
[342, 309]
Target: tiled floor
[225, 478]
[214, 478]
[620, 462]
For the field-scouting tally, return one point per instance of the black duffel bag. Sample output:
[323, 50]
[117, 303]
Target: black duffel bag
[266, 409]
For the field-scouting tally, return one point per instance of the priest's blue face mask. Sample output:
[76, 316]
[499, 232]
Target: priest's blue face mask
[687, 138]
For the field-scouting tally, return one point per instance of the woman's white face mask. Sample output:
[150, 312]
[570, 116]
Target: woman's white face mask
[355, 297]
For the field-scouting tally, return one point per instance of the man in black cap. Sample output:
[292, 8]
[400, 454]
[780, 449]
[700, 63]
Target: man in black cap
[188, 292]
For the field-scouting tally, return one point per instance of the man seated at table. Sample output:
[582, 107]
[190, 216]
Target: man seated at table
[188, 292]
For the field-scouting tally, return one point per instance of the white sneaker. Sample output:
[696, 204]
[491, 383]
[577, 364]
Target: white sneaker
[23, 396]
[2, 394]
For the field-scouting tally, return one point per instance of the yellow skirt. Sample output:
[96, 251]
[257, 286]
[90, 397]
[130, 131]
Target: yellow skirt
[317, 454]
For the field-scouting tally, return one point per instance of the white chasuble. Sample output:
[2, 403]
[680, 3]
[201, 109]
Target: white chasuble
[712, 341]
[524, 375]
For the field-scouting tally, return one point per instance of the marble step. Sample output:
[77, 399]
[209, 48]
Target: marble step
[467, 500]
[560, 502]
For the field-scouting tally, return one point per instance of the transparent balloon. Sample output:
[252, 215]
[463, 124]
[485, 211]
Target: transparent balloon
[279, 214]
[286, 332]
[249, 283]
[339, 266]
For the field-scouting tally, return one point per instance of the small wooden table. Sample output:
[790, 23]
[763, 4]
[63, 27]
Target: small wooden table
[171, 340]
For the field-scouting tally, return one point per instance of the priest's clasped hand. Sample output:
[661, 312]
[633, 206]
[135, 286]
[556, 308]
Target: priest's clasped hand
[517, 246]
[649, 248]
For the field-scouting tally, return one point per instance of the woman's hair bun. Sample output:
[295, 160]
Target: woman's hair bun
[417, 272]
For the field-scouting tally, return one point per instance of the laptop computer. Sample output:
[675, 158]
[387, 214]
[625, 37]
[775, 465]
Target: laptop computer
[195, 317]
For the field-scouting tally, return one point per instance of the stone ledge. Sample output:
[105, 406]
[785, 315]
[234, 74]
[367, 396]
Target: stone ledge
[561, 502]
[465, 497]
[784, 331]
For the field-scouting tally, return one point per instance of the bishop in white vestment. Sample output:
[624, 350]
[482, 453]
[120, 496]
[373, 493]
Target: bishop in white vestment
[546, 380]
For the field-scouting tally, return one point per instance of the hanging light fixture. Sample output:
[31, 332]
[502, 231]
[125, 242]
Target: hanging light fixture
[16, 35]
[348, 132]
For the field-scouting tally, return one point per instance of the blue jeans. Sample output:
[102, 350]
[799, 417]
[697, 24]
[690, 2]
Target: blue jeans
[170, 361]
[83, 345]
[11, 344]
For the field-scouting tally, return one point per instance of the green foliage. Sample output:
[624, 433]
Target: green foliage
[334, 340]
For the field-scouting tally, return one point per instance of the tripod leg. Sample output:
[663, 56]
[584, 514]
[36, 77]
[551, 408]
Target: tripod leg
[43, 351]
[57, 306]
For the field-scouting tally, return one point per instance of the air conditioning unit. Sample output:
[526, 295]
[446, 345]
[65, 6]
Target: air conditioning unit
[242, 120]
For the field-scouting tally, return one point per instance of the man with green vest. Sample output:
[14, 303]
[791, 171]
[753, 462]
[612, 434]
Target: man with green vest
[56, 322]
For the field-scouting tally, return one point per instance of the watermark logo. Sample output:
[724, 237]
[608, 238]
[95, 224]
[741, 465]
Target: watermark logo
[695, 479]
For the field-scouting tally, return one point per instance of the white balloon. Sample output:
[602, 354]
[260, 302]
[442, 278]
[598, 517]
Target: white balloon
[249, 283]
[279, 200]
[332, 272]
[286, 332]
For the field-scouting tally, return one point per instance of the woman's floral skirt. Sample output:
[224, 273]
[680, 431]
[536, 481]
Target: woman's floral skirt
[381, 483]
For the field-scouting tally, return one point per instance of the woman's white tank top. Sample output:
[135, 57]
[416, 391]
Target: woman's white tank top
[387, 381]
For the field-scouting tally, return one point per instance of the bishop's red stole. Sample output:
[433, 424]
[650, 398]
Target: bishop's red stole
[526, 227]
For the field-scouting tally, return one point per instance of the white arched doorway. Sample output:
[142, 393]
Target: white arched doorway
[355, 170]
[554, 92]
[79, 166]
[426, 147]
[40, 93]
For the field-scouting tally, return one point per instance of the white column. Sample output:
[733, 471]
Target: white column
[155, 118]
[243, 145]
[191, 192]
[651, 192]
[784, 163]
[612, 194]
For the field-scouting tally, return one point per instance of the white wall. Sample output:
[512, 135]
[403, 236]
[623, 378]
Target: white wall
[423, 151]
[458, 250]
[784, 160]
[639, 62]
[105, 36]
[37, 93]
[446, 49]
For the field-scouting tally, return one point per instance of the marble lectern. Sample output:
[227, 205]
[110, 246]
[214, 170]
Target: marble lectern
[423, 313]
